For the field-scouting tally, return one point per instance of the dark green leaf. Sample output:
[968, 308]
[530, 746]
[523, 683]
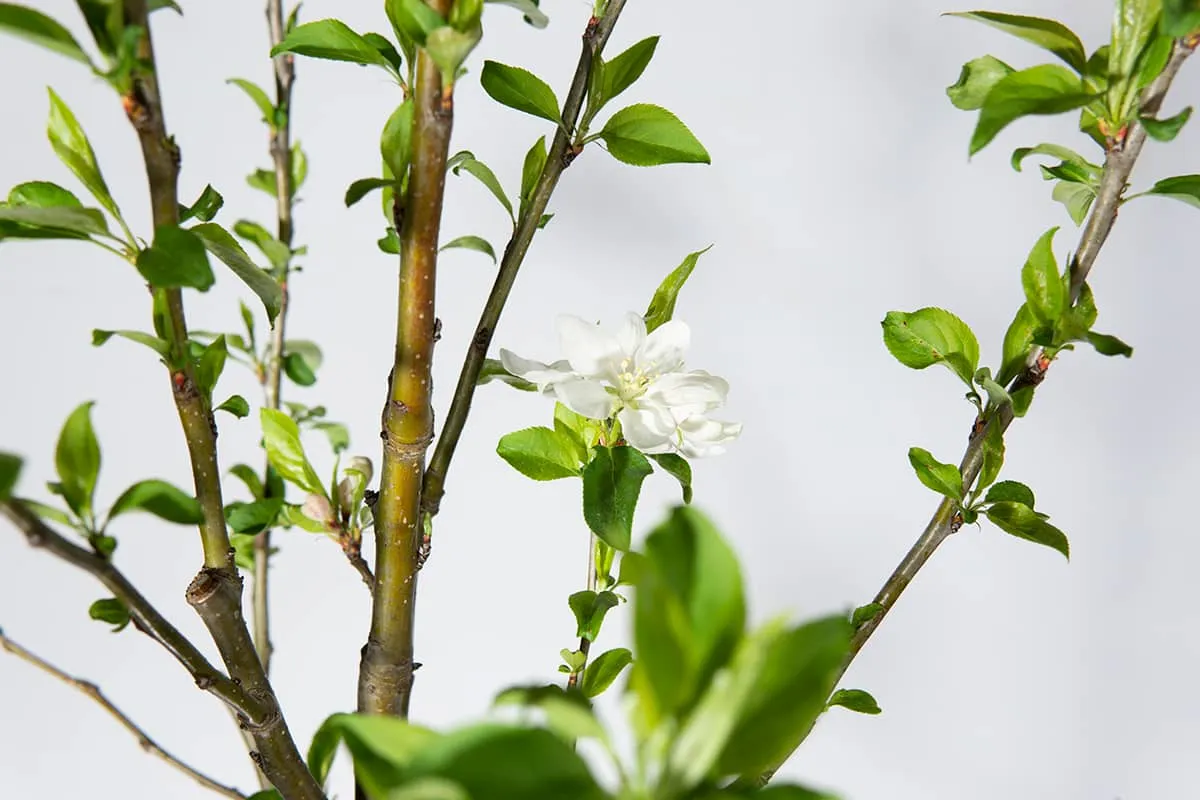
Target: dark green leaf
[276, 251]
[160, 346]
[855, 700]
[206, 206]
[211, 364]
[176, 259]
[80, 222]
[1010, 491]
[1045, 294]
[364, 186]
[678, 467]
[1045, 33]
[161, 499]
[1108, 345]
[41, 29]
[256, 517]
[259, 97]
[281, 438]
[311, 353]
[1023, 522]
[540, 453]
[71, 145]
[945, 479]
[619, 74]
[605, 669]
[77, 460]
[382, 748]
[975, 81]
[249, 477]
[10, 470]
[236, 405]
[612, 482]
[1045, 89]
[1185, 188]
[395, 143]
[476, 243]
[298, 370]
[662, 305]
[493, 370]
[218, 242]
[484, 175]
[1165, 130]
[1180, 17]
[330, 39]
[646, 135]
[589, 609]
[930, 336]
[520, 89]
[112, 611]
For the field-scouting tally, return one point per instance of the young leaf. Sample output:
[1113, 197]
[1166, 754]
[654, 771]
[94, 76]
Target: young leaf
[531, 170]
[161, 499]
[993, 457]
[520, 89]
[395, 143]
[236, 405]
[160, 346]
[864, 614]
[1045, 294]
[176, 259]
[1076, 197]
[221, 244]
[855, 700]
[1041, 90]
[476, 243]
[10, 470]
[413, 19]
[533, 15]
[945, 479]
[311, 354]
[1185, 188]
[646, 135]
[1010, 491]
[1056, 151]
[46, 220]
[1023, 522]
[540, 453]
[1108, 345]
[483, 173]
[619, 74]
[605, 669]
[112, 611]
[930, 336]
[612, 481]
[77, 460]
[975, 81]
[249, 477]
[364, 186]
[71, 145]
[1045, 33]
[1017, 341]
[256, 517]
[276, 251]
[678, 467]
[662, 305]
[281, 438]
[40, 29]
[1165, 130]
[330, 39]
[211, 364]
[590, 608]
[296, 368]
[205, 208]
[259, 97]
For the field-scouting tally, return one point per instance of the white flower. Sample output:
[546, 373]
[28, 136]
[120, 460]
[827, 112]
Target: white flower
[637, 377]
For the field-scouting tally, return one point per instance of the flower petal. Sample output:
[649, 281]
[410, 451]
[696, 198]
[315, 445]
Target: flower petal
[591, 351]
[701, 436]
[649, 428]
[664, 348]
[631, 334]
[688, 393]
[586, 397]
[535, 371]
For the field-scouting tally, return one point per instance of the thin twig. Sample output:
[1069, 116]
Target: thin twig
[143, 739]
[562, 153]
[1118, 165]
[585, 644]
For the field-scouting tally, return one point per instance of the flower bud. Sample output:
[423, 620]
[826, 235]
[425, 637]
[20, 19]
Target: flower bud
[317, 508]
[361, 464]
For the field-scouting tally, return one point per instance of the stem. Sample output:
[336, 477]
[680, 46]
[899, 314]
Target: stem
[562, 153]
[216, 592]
[281, 154]
[1118, 165]
[585, 644]
[386, 668]
[93, 691]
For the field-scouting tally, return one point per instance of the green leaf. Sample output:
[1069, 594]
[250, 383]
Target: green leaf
[206, 206]
[1041, 90]
[43, 194]
[1180, 17]
[249, 477]
[333, 40]
[211, 364]
[567, 714]
[533, 15]
[1076, 197]
[309, 351]
[364, 186]
[1045, 294]
[10, 470]
[662, 305]
[476, 243]
[1010, 491]
[78, 221]
[612, 481]
[930, 336]
[589, 609]
[236, 405]
[1108, 345]
[801, 669]
[112, 611]
[997, 394]
[395, 143]
[383, 748]
[531, 170]
[1023, 522]
[281, 438]
[520, 89]
[614, 77]
[337, 434]
[605, 669]
[38, 28]
[221, 244]
[276, 251]
[855, 700]
[1134, 22]
[1045, 33]
[162, 499]
[71, 145]
[176, 259]
[493, 370]
[678, 467]
[252, 518]
[298, 370]
[646, 135]
[540, 453]
[413, 19]
[993, 457]
[448, 47]
[1017, 342]
[689, 612]
[864, 614]
[160, 346]
[1185, 188]
[975, 81]
[77, 460]
[1056, 151]
[259, 97]
[945, 479]
[1165, 130]
[484, 175]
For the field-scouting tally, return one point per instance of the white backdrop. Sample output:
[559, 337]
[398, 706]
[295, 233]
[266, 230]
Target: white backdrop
[840, 189]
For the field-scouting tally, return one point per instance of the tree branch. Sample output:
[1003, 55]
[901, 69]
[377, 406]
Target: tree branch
[143, 739]
[216, 592]
[386, 668]
[1118, 165]
[562, 153]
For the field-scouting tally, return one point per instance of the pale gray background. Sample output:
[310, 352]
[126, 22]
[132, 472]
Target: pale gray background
[840, 189]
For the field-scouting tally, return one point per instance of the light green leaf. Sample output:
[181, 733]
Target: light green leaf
[281, 439]
[333, 40]
[1076, 197]
[533, 15]
[1185, 188]
[930, 336]
[605, 669]
[1017, 342]
[590, 609]
[413, 20]
[259, 97]
[540, 453]
[483, 173]
[1165, 130]
[646, 135]
[1041, 90]
[176, 259]
[276, 251]
[1045, 294]
[614, 77]
[221, 244]
[520, 89]
[1056, 151]
[38, 28]
[531, 171]
[476, 243]
[1045, 33]
[945, 479]
[1023, 522]
[975, 81]
[855, 700]
[612, 481]
[160, 346]
[1010, 491]
[75, 220]
[77, 460]
[71, 145]
[395, 143]
[662, 305]
[161, 499]
[382, 746]
[211, 364]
